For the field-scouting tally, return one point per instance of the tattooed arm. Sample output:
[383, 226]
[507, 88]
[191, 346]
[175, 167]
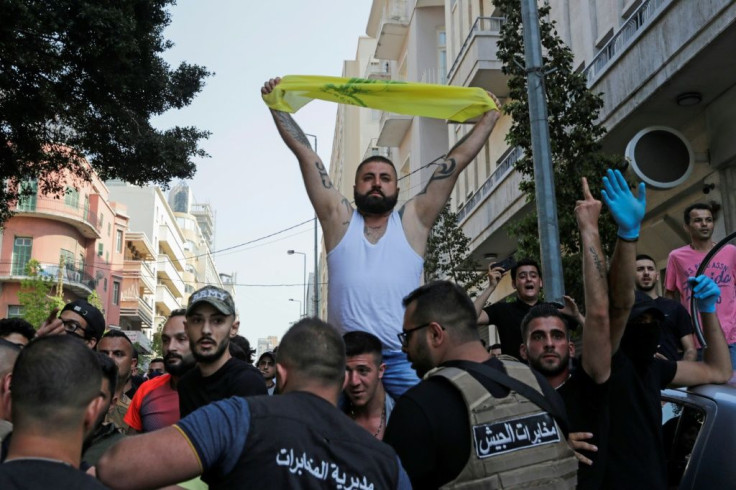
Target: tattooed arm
[596, 331]
[421, 211]
[332, 208]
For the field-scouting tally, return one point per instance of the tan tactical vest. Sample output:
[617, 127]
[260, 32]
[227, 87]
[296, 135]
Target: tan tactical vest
[514, 443]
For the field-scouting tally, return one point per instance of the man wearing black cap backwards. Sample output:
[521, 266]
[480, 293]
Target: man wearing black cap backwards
[210, 323]
[78, 318]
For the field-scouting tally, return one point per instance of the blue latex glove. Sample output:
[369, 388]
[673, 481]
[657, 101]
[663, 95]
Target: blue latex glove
[627, 210]
[706, 293]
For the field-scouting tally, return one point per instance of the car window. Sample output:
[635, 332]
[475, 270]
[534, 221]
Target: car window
[681, 426]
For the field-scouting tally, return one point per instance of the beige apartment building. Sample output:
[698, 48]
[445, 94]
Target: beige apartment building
[668, 78]
[173, 256]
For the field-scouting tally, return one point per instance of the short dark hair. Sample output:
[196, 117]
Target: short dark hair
[376, 158]
[17, 325]
[543, 310]
[697, 205]
[494, 346]
[314, 349]
[118, 334]
[645, 257]
[244, 344]
[446, 303]
[109, 370]
[178, 312]
[54, 379]
[357, 343]
[236, 351]
[523, 262]
[157, 359]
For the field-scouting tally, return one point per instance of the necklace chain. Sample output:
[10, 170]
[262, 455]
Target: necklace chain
[381, 422]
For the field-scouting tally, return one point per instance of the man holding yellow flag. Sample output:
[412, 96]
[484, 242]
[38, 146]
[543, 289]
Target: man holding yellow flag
[375, 255]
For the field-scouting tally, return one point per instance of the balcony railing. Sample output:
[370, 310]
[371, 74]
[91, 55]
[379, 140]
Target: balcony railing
[378, 70]
[70, 274]
[168, 274]
[138, 269]
[374, 150]
[488, 25]
[79, 216]
[505, 164]
[641, 17]
[165, 301]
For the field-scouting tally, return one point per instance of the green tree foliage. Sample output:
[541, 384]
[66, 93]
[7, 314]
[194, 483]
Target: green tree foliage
[156, 345]
[448, 254]
[35, 294]
[81, 79]
[94, 300]
[574, 132]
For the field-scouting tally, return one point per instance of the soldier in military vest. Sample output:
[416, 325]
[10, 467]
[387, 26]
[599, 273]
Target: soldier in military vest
[475, 421]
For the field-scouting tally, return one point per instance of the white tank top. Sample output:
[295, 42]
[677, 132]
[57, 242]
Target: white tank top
[368, 281]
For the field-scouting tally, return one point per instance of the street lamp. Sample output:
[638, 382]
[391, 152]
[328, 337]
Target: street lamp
[304, 284]
[300, 306]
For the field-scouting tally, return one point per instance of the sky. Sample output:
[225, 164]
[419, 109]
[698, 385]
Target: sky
[251, 179]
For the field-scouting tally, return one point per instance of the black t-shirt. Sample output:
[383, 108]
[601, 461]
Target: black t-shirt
[33, 474]
[635, 452]
[234, 378]
[676, 325]
[587, 411]
[430, 430]
[507, 318]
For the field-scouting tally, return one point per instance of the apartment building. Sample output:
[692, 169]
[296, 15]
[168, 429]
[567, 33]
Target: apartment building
[169, 254]
[668, 86]
[161, 285]
[78, 239]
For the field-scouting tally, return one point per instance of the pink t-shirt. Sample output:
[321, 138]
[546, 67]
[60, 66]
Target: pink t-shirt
[683, 262]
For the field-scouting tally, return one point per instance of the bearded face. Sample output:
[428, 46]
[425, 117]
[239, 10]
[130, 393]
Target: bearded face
[375, 201]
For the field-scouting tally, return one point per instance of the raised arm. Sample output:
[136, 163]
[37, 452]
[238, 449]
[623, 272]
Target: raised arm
[494, 276]
[716, 365]
[628, 212]
[596, 359]
[421, 212]
[332, 208]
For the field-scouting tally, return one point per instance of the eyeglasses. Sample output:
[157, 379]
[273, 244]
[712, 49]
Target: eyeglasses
[72, 326]
[404, 336]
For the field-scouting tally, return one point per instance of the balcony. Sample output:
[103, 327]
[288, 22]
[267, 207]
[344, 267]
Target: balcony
[393, 129]
[139, 245]
[136, 311]
[75, 280]
[477, 64]
[171, 244]
[165, 301]
[374, 150]
[505, 165]
[378, 70]
[169, 275]
[83, 220]
[392, 31]
[625, 36]
[141, 273]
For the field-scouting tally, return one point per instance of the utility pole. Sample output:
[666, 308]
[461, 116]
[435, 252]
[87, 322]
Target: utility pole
[549, 239]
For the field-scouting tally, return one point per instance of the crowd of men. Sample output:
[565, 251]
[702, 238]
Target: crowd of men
[397, 390]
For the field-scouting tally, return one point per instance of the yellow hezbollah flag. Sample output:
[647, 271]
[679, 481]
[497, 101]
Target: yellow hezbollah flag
[415, 99]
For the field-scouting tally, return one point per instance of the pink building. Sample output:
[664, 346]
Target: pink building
[80, 236]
